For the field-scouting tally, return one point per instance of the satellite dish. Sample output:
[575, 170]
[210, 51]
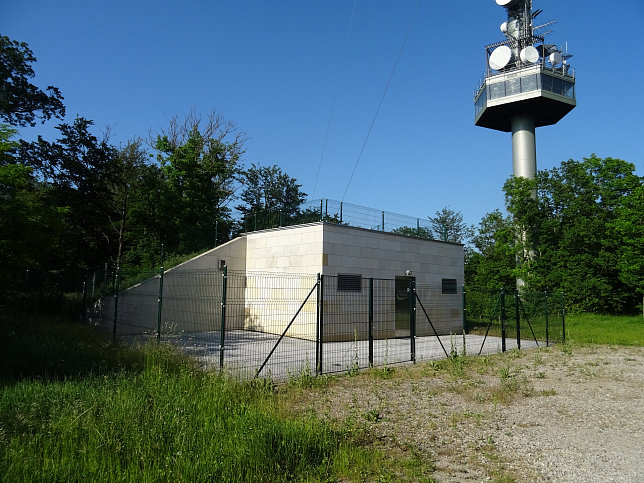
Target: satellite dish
[504, 27]
[500, 57]
[529, 55]
[555, 58]
[505, 3]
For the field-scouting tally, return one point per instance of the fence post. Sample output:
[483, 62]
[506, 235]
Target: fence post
[341, 202]
[160, 299]
[317, 328]
[545, 295]
[84, 302]
[321, 309]
[216, 232]
[326, 209]
[517, 317]
[502, 295]
[412, 318]
[321, 206]
[116, 299]
[383, 221]
[465, 328]
[563, 317]
[371, 322]
[222, 333]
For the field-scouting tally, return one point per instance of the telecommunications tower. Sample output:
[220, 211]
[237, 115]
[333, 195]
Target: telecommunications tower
[527, 84]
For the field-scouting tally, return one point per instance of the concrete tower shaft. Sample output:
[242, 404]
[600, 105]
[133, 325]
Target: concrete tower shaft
[524, 147]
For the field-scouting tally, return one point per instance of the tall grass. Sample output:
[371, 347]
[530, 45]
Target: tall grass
[76, 407]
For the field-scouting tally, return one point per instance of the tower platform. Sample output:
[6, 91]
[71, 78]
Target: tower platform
[548, 94]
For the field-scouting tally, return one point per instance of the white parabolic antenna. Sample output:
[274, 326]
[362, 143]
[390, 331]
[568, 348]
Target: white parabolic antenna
[505, 3]
[555, 58]
[504, 27]
[529, 55]
[500, 57]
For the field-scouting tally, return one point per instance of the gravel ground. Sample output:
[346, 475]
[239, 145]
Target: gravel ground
[558, 414]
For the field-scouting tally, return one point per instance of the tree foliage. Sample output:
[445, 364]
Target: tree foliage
[22, 103]
[448, 225]
[199, 161]
[270, 198]
[582, 228]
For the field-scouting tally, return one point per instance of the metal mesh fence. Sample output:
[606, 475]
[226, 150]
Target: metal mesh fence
[369, 218]
[281, 325]
[519, 319]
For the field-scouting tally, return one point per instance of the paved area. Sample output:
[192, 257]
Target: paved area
[246, 352]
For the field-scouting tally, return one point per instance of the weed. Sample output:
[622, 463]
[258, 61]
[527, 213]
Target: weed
[373, 416]
[548, 392]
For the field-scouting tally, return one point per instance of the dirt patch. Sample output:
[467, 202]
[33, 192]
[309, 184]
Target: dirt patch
[556, 414]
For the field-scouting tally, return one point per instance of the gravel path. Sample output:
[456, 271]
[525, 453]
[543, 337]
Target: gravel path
[558, 414]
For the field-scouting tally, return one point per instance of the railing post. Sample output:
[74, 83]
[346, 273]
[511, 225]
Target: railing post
[502, 295]
[160, 298]
[412, 318]
[371, 322]
[545, 295]
[517, 317]
[222, 329]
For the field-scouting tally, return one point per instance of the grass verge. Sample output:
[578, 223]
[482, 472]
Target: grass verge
[75, 407]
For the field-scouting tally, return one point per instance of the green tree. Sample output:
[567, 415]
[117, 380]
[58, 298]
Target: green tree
[270, 198]
[21, 103]
[199, 162]
[578, 228]
[76, 171]
[418, 232]
[29, 215]
[490, 263]
[448, 226]
[628, 226]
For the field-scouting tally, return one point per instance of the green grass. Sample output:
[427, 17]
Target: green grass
[75, 407]
[605, 329]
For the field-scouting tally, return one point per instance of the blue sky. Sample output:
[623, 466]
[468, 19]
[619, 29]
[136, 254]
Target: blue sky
[272, 67]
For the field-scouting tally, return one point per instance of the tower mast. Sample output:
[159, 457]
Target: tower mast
[527, 84]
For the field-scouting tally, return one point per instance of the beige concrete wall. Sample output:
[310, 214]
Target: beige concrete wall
[267, 303]
[385, 256]
[191, 295]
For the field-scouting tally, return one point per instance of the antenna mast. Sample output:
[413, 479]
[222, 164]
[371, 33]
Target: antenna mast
[528, 83]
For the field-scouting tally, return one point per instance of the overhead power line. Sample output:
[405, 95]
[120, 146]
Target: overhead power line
[335, 96]
[373, 121]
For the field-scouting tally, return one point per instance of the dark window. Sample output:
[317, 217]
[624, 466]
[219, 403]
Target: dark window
[349, 283]
[449, 286]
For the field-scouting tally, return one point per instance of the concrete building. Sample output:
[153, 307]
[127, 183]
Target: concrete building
[265, 266]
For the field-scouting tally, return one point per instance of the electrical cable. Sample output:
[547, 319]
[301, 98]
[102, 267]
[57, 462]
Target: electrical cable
[373, 121]
[335, 96]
